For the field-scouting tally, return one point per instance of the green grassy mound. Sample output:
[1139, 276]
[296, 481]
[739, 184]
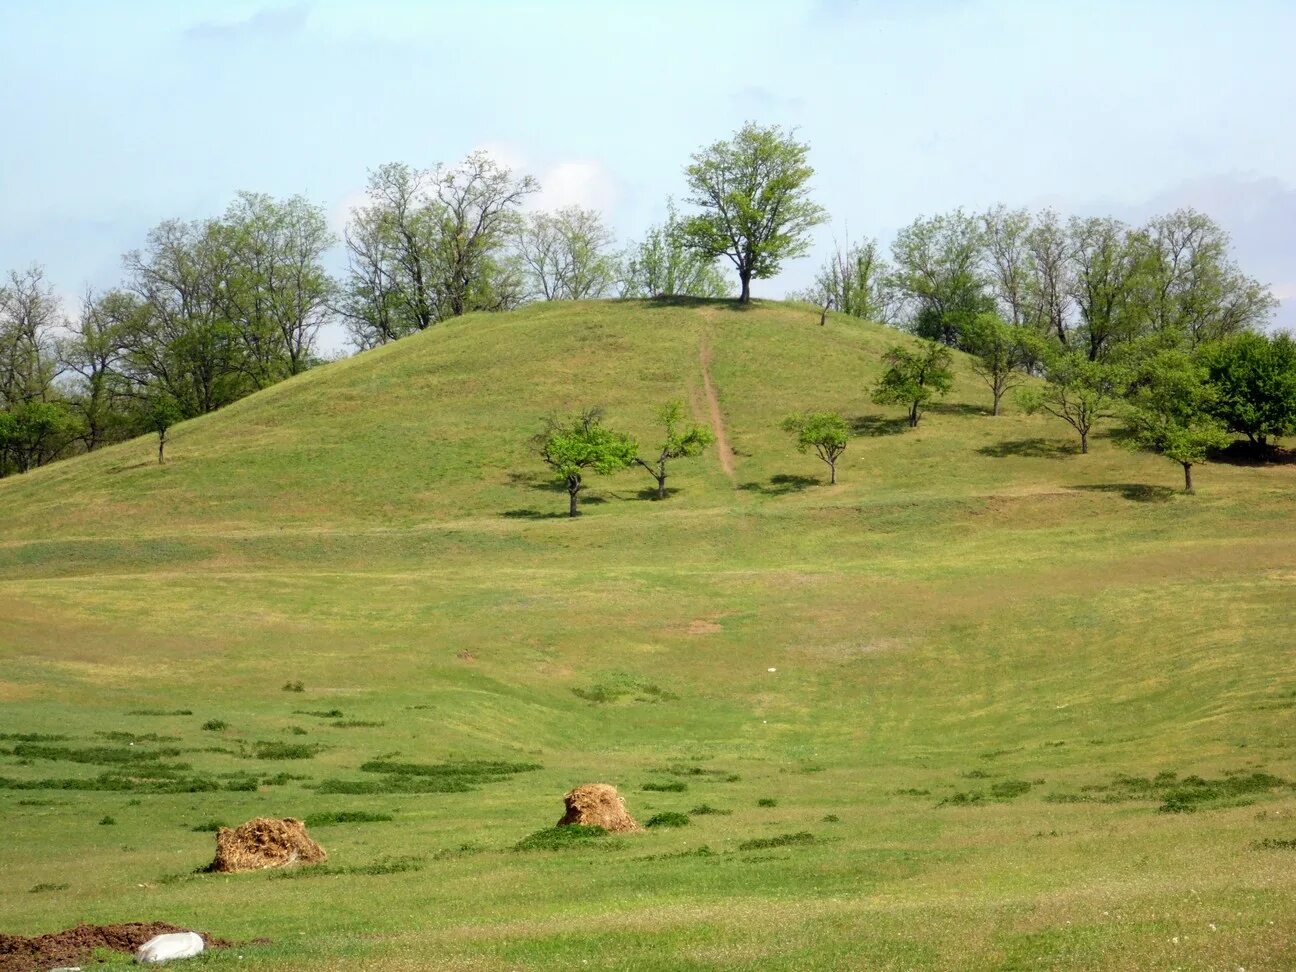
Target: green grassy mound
[1046, 701]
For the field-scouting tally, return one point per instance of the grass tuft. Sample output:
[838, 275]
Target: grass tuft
[668, 819]
[706, 810]
[782, 840]
[565, 838]
[327, 818]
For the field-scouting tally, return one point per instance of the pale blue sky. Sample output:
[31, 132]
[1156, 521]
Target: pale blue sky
[118, 115]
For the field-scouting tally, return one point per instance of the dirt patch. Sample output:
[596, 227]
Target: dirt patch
[263, 843]
[73, 946]
[700, 626]
[598, 805]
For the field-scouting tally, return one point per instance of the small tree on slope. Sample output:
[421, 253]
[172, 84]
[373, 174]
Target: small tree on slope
[1168, 412]
[1001, 352]
[680, 441]
[582, 443]
[1080, 392]
[824, 432]
[914, 378]
[162, 412]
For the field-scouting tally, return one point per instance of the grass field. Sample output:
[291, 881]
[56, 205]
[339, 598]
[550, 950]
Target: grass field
[985, 704]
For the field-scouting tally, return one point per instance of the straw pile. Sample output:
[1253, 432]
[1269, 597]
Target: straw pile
[265, 842]
[598, 805]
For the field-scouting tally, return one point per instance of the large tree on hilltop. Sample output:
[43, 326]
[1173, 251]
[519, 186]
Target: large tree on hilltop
[754, 194]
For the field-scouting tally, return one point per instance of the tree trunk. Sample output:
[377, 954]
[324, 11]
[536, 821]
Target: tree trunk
[1188, 485]
[832, 474]
[661, 486]
[998, 394]
[1084, 443]
[913, 416]
[745, 296]
[573, 489]
[161, 446]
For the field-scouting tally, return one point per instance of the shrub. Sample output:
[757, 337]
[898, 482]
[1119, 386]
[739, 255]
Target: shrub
[672, 786]
[706, 810]
[767, 802]
[215, 725]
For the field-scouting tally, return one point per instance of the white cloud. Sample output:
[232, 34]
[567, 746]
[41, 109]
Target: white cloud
[340, 214]
[577, 182]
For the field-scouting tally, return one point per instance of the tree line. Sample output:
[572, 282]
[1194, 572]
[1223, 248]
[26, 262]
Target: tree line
[211, 310]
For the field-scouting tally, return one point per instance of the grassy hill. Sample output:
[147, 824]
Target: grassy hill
[1034, 709]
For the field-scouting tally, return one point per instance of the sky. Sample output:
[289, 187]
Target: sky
[119, 115]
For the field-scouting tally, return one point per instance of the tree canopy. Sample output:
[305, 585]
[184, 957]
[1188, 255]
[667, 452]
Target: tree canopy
[914, 378]
[824, 433]
[754, 195]
[573, 446]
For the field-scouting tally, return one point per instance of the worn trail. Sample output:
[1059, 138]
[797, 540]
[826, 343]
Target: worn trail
[713, 407]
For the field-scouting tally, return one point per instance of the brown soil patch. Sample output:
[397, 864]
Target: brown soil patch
[265, 842]
[598, 805]
[700, 626]
[73, 946]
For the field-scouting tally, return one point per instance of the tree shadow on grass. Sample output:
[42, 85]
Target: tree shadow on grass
[1243, 453]
[527, 513]
[1134, 492]
[650, 493]
[781, 485]
[878, 425]
[1035, 448]
[538, 481]
[728, 303]
[956, 408]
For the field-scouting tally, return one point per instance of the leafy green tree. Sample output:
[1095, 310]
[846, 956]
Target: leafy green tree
[566, 254]
[32, 433]
[853, 281]
[1109, 264]
[938, 269]
[177, 334]
[1168, 411]
[90, 355]
[1006, 243]
[1000, 353]
[161, 412]
[1253, 377]
[755, 199]
[431, 244]
[662, 265]
[824, 433]
[276, 293]
[582, 443]
[1079, 391]
[914, 378]
[680, 440]
[29, 315]
[1187, 284]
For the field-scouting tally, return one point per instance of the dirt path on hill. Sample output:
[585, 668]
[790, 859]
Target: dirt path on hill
[713, 406]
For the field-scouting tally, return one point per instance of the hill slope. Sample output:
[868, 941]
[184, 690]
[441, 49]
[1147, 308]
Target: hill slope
[978, 651]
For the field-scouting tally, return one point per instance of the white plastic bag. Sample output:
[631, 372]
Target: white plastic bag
[164, 948]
